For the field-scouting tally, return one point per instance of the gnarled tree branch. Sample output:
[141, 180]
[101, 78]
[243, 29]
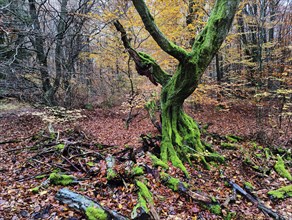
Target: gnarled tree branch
[165, 44]
[208, 42]
[145, 64]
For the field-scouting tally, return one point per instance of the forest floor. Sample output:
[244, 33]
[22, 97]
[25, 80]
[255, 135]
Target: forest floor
[28, 153]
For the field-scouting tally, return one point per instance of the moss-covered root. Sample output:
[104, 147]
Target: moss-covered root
[157, 162]
[95, 213]
[137, 171]
[176, 185]
[144, 198]
[281, 170]
[173, 183]
[282, 192]
[61, 179]
[215, 157]
[168, 152]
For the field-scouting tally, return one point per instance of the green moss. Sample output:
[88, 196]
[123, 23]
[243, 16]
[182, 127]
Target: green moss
[111, 174]
[151, 107]
[90, 163]
[52, 136]
[61, 179]
[168, 149]
[157, 162]
[141, 204]
[228, 146]
[93, 213]
[256, 146]
[215, 209]
[249, 186]
[145, 193]
[282, 192]
[137, 171]
[172, 183]
[89, 106]
[267, 153]
[59, 147]
[144, 196]
[281, 170]
[215, 157]
[233, 138]
[35, 190]
[229, 216]
[41, 176]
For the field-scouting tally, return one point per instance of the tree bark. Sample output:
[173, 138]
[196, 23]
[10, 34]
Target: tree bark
[38, 43]
[180, 133]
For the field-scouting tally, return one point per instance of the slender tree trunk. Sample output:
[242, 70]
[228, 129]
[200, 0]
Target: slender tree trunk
[38, 43]
[59, 56]
[219, 72]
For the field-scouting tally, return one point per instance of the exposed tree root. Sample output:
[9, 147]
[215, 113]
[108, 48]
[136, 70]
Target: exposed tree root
[180, 138]
[183, 188]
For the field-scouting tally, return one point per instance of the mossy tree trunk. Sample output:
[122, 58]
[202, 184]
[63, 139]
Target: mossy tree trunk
[180, 133]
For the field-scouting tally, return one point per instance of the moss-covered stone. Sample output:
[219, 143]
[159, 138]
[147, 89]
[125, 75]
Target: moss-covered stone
[111, 175]
[93, 213]
[157, 162]
[171, 182]
[281, 170]
[137, 171]
[61, 179]
[282, 192]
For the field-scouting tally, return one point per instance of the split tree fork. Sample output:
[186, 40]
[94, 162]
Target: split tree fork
[180, 133]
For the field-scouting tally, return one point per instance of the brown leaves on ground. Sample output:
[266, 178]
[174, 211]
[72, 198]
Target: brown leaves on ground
[28, 154]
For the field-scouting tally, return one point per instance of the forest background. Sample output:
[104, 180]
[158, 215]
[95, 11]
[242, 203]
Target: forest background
[66, 59]
[68, 53]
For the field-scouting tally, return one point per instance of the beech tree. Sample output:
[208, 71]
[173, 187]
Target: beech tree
[180, 133]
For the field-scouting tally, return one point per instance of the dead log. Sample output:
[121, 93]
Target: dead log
[255, 201]
[82, 203]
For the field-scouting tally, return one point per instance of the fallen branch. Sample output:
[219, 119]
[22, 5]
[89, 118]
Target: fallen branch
[19, 149]
[10, 141]
[76, 168]
[255, 201]
[33, 176]
[82, 203]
